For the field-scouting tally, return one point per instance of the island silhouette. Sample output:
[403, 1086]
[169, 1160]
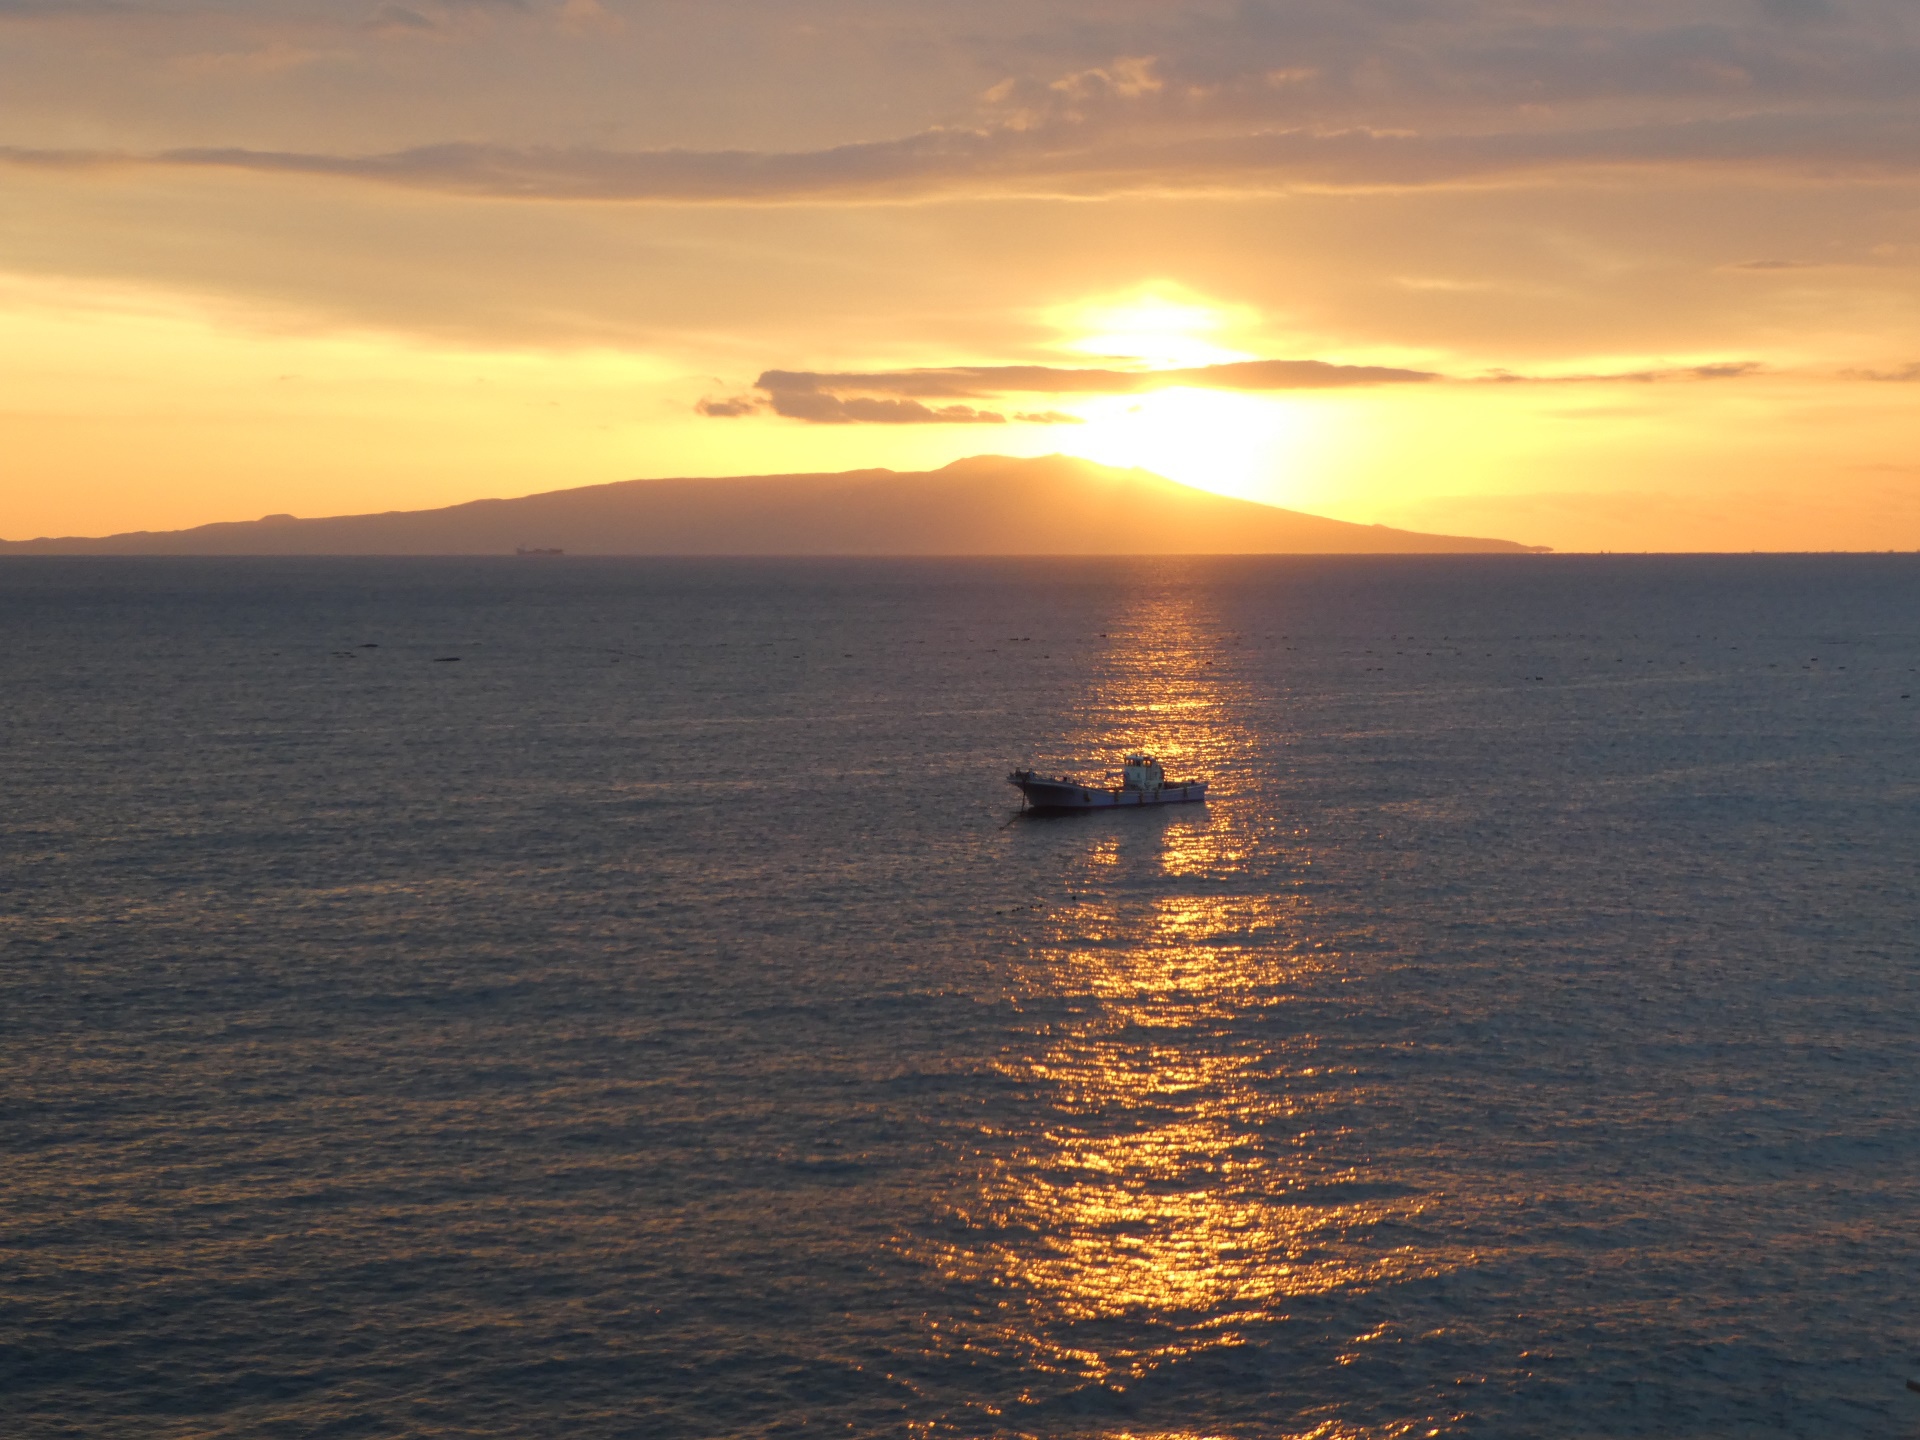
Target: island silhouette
[986, 505]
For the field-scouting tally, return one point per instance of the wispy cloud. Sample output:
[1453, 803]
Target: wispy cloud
[1093, 97]
[973, 382]
[898, 397]
[63, 9]
[1905, 375]
[1070, 158]
[822, 408]
[1724, 370]
[820, 405]
[402, 20]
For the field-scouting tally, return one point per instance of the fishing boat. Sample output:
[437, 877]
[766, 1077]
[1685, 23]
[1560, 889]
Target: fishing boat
[1142, 782]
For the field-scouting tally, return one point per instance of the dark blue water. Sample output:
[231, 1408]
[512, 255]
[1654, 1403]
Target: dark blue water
[654, 1022]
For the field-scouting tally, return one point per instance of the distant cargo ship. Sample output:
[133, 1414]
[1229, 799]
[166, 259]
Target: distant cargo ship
[526, 550]
[1142, 782]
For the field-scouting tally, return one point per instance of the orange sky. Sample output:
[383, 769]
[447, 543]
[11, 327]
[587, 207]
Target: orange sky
[1599, 275]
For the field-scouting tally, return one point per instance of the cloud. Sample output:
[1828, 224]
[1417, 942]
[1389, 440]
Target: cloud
[1072, 158]
[588, 17]
[271, 59]
[897, 397]
[1088, 97]
[1076, 95]
[62, 9]
[1462, 55]
[1723, 370]
[1905, 375]
[973, 382]
[398, 19]
[29, 159]
[823, 408]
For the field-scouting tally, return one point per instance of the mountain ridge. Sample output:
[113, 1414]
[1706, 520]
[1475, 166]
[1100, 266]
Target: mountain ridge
[983, 505]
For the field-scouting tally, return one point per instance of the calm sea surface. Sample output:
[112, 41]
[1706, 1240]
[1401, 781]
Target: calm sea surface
[654, 1022]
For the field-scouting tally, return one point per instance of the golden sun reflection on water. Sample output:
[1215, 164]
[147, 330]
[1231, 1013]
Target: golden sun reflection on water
[1170, 1181]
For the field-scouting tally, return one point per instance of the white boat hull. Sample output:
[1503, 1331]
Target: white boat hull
[1060, 793]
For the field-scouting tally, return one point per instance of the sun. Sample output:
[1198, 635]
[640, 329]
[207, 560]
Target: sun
[1257, 447]
[1156, 327]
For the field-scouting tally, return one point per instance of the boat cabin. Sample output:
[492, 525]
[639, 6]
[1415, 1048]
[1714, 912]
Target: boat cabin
[1143, 772]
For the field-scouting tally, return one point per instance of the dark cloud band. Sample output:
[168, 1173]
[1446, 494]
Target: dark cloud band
[899, 397]
[1076, 159]
[973, 382]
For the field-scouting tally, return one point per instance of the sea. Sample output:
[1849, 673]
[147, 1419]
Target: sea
[572, 997]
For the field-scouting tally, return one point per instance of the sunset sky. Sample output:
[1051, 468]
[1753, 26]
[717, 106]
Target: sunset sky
[1598, 275]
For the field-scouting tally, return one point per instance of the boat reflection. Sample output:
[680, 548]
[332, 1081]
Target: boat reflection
[1170, 1179]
